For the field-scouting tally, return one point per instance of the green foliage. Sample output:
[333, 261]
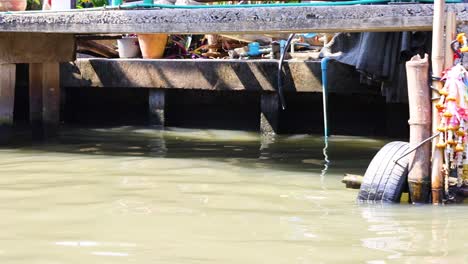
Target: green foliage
[90, 3]
[34, 5]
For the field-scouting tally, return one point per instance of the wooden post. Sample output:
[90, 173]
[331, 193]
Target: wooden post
[419, 179]
[450, 35]
[51, 98]
[269, 116]
[437, 68]
[35, 99]
[157, 101]
[7, 99]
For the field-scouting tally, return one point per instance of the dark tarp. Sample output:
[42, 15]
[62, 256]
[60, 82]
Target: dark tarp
[380, 58]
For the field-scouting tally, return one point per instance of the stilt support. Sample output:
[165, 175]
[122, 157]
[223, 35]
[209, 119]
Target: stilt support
[35, 100]
[7, 99]
[51, 98]
[269, 116]
[157, 102]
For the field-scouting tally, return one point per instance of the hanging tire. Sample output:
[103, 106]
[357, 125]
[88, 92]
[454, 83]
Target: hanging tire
[385, 179]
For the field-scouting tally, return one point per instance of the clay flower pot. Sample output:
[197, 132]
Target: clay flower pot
[13, 5]
[152, 45]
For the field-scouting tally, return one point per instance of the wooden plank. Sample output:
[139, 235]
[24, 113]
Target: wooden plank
[35, 98]
[51, 98]
[402, 17]
[36, 48]
[7, 93]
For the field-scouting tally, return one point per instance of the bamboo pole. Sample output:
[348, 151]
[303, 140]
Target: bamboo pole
[419, 179]
[437, 68]
[450, 34]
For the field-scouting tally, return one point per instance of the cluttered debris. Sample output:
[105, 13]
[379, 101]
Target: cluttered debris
[245, 47]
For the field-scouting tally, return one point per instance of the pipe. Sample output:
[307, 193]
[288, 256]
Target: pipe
[323, 66]
[280, 70]
[341, 3]
[164, 6]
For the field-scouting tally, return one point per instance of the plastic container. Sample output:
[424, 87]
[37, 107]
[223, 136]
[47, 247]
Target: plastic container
[254, 49]
[128, 47]
[60, 5]
[152, 46]
[13, 5]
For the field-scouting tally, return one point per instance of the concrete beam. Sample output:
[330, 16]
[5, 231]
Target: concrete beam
[358, 18]
[247, 75]
[36, 48]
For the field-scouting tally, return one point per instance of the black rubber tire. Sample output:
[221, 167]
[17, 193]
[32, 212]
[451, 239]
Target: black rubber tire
[384, 179]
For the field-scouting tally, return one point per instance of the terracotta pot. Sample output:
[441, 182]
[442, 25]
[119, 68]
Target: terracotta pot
[152, 46]
[13, 5]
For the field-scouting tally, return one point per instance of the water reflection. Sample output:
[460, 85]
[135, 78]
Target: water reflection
[409, 234]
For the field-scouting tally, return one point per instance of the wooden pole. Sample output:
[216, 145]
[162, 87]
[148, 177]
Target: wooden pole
[437, 68]
[450, 35]
[419, 179]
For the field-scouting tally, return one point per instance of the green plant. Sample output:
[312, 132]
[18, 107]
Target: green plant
[90, 3]
[34, 5]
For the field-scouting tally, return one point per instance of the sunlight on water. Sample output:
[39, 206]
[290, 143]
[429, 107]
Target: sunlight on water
[136, 195]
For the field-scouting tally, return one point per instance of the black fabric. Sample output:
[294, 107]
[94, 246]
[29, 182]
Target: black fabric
[381, 57]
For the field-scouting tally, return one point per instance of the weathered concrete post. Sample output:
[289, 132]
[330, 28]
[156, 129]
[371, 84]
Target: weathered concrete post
[156, 103]
[35, 99]
[419, 179]
[51, 98]
[269, 113]
[43, 52]
[7, 99]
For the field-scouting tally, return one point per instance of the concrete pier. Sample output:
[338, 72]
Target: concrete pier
[45, 39]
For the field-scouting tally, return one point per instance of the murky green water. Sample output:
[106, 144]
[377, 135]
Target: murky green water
[130, 195]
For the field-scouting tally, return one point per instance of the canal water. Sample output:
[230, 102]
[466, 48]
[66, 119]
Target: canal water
[136, 195]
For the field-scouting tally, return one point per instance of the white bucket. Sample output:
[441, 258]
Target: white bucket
[61, 5]
[128, 47]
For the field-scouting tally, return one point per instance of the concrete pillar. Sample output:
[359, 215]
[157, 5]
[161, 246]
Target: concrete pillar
[7, 99]
[269, 113]
[51, 98]
[35, 99]
[156, 103]
[44, 99]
